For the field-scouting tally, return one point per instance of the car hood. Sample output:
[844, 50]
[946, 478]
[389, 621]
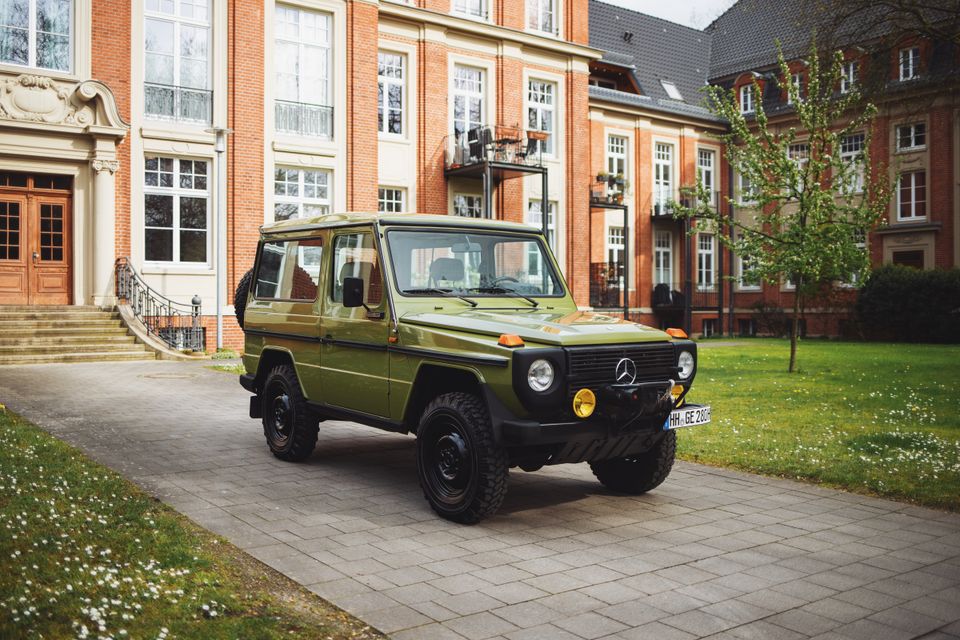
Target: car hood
[564, 328]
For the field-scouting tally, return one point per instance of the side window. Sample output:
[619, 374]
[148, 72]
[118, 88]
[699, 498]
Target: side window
[289, 270]
[354, 256]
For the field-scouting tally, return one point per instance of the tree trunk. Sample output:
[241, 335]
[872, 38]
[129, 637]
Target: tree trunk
[794, 330]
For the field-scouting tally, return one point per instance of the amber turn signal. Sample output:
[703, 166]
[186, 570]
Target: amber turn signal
[676, 333]
[584, 403]
[676, 392]
[510, 340]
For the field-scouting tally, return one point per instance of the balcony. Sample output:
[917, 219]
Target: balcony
[302, 119]
[608, 190]
[670, 297]
[178, 104]
[505, 148]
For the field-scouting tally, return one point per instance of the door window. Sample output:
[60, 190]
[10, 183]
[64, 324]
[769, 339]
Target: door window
[354, 256]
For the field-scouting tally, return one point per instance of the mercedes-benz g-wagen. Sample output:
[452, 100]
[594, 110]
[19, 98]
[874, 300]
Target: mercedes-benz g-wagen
[462, 332]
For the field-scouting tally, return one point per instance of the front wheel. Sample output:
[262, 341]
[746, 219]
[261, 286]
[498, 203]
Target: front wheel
[289, 426]
[462, 471]
[641, 472]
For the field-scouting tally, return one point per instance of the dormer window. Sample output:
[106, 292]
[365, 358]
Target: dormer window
[848, 76]
[909, 63]
[671, 90]
[795, 93]
[746, 99]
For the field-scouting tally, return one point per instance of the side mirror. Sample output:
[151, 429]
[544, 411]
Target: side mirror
[353, 292]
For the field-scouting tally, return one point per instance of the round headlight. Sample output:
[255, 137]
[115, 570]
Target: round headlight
[685, 364]
[540, 375]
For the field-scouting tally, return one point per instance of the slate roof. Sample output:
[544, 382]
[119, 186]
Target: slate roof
[658, 49]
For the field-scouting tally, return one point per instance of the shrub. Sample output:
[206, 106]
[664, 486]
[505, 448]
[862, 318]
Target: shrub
[909, 305]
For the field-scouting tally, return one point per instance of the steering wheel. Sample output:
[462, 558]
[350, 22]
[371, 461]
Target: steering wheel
[496, 281]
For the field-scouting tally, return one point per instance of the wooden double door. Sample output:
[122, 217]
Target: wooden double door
[35, 244]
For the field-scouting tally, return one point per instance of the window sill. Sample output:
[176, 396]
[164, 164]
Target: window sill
[467, 16]
[749, 289]
[912, 220]
[187, 133]
[911, 149]
[177, 270]
[394, 138]
[17, 70]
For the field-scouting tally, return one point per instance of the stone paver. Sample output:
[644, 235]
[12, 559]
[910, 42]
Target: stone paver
[709, 553]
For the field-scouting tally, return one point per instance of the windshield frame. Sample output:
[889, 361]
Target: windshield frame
[549, 260]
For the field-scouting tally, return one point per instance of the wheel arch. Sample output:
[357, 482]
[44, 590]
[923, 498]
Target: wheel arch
[433, 380]
[272, 357]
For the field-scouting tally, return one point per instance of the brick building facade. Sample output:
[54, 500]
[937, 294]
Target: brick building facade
[110, 113]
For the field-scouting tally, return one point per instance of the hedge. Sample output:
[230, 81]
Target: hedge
[909, 305]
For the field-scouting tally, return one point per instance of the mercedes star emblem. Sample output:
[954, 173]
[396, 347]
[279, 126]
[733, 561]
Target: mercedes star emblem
[626, 371]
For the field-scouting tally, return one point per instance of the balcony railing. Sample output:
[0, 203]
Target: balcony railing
[498, 143]
[670, 296]
[607, 190]
[181, 104]
[300, 118]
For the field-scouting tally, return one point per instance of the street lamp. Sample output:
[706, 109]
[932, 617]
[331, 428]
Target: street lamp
[220, 253]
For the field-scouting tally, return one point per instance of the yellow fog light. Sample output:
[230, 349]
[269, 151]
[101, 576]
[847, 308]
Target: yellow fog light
[584, 403]
[676, 392]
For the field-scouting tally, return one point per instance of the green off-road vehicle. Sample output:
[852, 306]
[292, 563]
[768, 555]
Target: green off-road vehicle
[462, 332]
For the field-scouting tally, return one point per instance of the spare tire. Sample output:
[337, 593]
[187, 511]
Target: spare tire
[240, 296]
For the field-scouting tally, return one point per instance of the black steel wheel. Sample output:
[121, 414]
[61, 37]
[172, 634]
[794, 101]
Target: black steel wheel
[240, 296]
[638, 473]
[288, 425]
[463, 472]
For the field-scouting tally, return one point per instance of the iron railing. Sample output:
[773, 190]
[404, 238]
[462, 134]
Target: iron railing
[182, 104]
[669, 296]
[496, 143]
[176, 323]
[300, 118]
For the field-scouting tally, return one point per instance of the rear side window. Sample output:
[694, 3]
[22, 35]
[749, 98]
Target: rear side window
[355, 256]
[289, 270]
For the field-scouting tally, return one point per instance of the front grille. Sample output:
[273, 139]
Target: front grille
[595, 367]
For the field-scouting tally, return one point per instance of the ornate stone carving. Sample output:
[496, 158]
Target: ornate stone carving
[42, 100]
[105, 165]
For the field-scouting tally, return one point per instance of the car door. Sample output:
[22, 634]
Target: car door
[354, 363]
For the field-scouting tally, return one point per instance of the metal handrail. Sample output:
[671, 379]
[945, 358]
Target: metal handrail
[175, 323]
[302, 118]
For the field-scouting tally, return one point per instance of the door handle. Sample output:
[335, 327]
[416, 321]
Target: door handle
[36, 256]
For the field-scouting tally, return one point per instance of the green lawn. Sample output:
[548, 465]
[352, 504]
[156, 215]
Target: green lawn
[85, 554]
[875, 418]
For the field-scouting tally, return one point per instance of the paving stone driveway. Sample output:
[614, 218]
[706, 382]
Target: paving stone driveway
[710, 553]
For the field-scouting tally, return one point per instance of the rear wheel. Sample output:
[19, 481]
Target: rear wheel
[288, 424]
[641, 472]
[462, 471]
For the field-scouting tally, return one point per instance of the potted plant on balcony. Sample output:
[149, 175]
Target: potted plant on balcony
[618, 197]
[602, 176]
[534, 134]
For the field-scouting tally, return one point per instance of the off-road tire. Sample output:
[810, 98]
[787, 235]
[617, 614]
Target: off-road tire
[641, 472]
[240, 296]
[451, 420]
[296, 437]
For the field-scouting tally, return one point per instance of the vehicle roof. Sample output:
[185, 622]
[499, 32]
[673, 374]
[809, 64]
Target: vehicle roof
[386, 219]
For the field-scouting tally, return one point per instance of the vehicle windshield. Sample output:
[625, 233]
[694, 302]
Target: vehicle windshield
[447, 262]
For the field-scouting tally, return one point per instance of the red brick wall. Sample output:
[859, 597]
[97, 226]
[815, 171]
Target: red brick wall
[578, 179]
[432, 117]
[942, 180]
[362, 106]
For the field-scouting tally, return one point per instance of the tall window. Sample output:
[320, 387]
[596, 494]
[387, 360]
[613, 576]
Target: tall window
[615, 245]
[912, 195]
[471, 8]
[468, 108]
[746, 99]
[800, 155]
[177, 60]
[37, 33]
[467, 206]
[747, 194]
[302, 70]
[663, 258]
[617, 155]
[541, 15]
[705, 262]
[176, 203]
[540, 101]
[390, 104]
[300, 194]
[390, 199]
[535, 217]
[851, 152]
[747, 278]
[909, 63]
[796, 88]
[911, 136]
[849, 74]
[705, 166]
[662, 176]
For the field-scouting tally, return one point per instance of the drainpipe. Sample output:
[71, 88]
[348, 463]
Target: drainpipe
[220, 253]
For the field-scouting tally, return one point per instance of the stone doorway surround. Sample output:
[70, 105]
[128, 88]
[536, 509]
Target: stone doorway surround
[70, 128]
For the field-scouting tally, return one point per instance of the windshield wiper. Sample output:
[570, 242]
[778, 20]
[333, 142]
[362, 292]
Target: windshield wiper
[444, 292]
[509, 292]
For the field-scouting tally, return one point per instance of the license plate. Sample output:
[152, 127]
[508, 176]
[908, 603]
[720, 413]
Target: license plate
[689, 416]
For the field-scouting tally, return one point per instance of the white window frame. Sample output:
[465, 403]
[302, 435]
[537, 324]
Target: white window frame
[32, 32]
[706, 262]
[743, 263]
[537, 9]
[849, 75]
[707, 172]
[467, 204]
[746, 99]
[325, 87]
[462, 8]
[179, 22]
[671, 89]
[301, 201]
[852, 155]
[662, 257]
[743, 193]
[617, 147]
[384, 84]
[662, 174]
[616, 244]
[796, 84]
[909, 58]
[799, 154]
[913, 202]
[542, 102]
[468, 95]
[176, 192]
[535, 218]
[391, 199]
[913, 146]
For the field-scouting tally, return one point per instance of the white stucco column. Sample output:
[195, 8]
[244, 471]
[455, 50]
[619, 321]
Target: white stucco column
[104, 233]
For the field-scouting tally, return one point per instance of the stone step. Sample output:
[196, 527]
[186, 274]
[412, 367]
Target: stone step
[118, 337]
[62, 324]
[29, 316]
[49, 307]
[26, 331]
[70, 347]
[92, 356]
